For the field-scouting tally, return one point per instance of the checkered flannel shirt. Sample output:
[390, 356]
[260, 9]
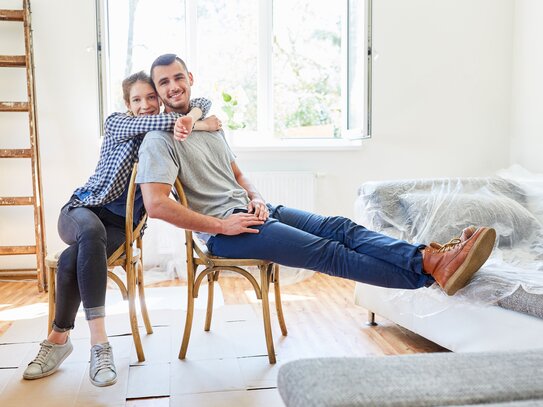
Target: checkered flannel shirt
[124, 134]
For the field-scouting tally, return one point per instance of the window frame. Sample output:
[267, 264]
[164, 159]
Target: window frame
[350, 138]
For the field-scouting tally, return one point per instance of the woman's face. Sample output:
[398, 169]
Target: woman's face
[143, 100]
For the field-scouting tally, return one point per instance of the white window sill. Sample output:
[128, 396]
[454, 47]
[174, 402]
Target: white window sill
[302, 144]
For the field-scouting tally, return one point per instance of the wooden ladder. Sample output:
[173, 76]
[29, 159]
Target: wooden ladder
[32, 153]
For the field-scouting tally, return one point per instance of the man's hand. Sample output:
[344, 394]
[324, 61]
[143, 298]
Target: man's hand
[182, 128]
[259, 208]
[239, 223]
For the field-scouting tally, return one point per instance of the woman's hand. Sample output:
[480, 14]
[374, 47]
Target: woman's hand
[182, 128]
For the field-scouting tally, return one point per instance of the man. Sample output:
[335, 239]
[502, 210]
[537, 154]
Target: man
[227, 208]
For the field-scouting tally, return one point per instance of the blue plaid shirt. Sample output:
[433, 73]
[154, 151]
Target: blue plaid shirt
[123, 136]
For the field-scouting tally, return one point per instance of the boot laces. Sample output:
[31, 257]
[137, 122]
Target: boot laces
[450, 245]
[45, 349]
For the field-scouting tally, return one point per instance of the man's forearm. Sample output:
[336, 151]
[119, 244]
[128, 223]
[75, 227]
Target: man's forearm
[159, 205]
[173, 212]
[247, 185]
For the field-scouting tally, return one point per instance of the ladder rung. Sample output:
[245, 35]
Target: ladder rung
[13, 106]
[17, 200]
[10, 250]
[12, 15]
[18, 274]
[12, 61]
[16, 153]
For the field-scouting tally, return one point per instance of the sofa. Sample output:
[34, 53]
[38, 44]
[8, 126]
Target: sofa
[430, 379]
[502, 306]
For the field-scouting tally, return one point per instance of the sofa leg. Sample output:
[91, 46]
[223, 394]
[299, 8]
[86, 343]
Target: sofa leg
[371, 319]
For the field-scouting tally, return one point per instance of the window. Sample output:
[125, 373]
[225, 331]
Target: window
[279, 72]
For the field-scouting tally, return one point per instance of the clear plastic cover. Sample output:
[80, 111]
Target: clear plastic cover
[436, 210]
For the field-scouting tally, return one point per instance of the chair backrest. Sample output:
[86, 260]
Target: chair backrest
[190, 243]
[132, 234]
[182, 199]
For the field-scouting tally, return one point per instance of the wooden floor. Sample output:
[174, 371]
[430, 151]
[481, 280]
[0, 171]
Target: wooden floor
[319, 312]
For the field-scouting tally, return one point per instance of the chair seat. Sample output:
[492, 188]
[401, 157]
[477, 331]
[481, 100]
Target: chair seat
[52, 259]
[206, 257]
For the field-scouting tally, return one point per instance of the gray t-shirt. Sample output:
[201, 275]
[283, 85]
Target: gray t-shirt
[203, 164]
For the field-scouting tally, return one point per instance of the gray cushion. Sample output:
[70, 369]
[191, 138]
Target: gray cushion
[525, 302]
[431, 379]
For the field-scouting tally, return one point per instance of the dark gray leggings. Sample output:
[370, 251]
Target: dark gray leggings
[93, 234]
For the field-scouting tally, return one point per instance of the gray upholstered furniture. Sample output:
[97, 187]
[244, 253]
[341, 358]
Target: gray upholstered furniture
[433, 379]
[501, 308]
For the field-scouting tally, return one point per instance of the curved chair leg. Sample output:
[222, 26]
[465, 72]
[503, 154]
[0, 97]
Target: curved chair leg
[266, 311]
[143, 304]
[188, 320]
[51, 278]
[210, 294]
[131, 288]
[278, 304]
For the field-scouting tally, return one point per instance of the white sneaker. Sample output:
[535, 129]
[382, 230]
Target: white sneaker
[49, 358]
[102, 370]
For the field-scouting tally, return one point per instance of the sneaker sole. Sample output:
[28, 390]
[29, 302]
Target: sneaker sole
[477, 256]
[49, 373]
[103, 384]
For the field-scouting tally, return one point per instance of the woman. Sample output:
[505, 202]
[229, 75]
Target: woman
[92, 224]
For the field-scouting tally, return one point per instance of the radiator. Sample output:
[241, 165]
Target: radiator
[295, 189]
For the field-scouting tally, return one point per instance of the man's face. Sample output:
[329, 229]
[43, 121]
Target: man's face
[173, 84]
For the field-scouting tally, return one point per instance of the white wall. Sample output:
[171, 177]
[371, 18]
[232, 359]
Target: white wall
[441, 101]
[442, 86]
[67, 97]
[527, 112]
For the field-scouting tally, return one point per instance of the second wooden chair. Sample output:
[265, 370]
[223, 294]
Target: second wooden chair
[198, 255]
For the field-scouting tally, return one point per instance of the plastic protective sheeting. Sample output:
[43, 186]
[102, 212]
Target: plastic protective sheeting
[436, 210]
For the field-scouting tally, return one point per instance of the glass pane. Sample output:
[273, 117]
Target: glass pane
[227, 60]
[307, 68]
[154, 31]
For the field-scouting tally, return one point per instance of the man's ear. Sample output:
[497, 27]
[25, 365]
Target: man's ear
[191, 79]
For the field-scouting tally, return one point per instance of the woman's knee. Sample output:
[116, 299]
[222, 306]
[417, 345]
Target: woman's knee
[79, 225]
[92, 231]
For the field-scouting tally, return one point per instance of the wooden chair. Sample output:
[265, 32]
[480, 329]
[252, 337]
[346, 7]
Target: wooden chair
[130, 259]
[198, 255]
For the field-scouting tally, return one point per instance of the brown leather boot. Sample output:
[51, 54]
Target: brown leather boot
[466, 234]
[453, 263]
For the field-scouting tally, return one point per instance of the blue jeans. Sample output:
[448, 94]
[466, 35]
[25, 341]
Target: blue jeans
[333, 245]
[93, 234]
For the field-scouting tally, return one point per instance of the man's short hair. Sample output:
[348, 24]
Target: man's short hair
[167, 59]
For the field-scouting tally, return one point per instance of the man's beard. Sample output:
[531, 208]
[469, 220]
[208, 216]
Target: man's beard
[181, 107]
